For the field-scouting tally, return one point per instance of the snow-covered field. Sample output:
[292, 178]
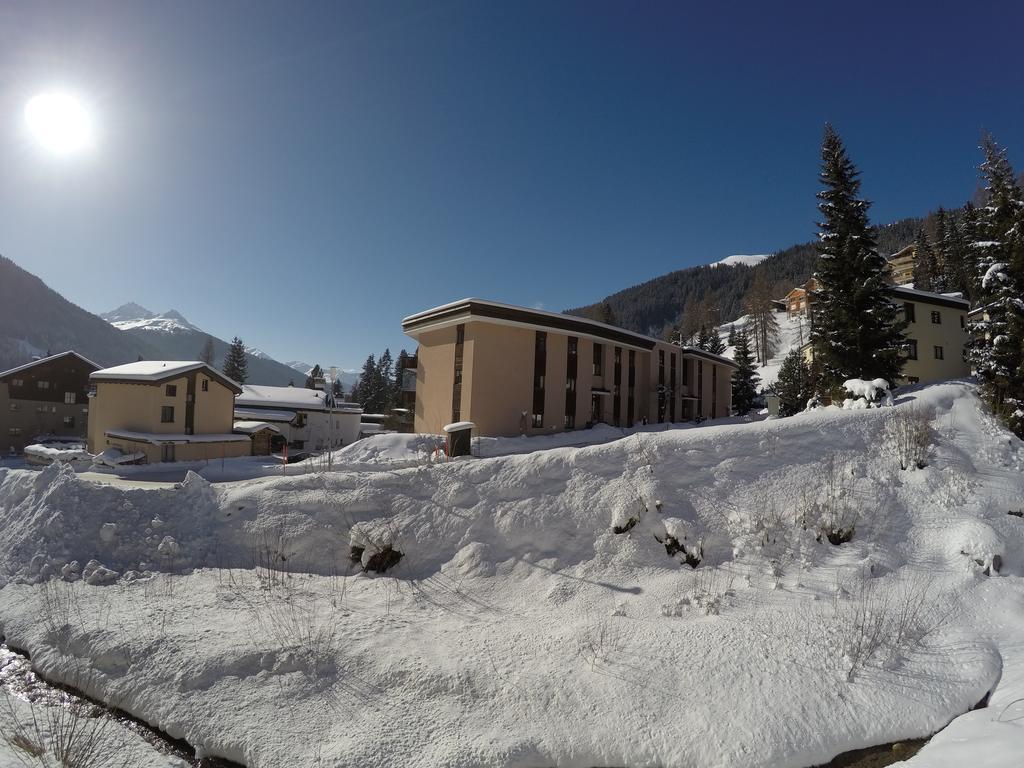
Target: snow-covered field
[519, 629]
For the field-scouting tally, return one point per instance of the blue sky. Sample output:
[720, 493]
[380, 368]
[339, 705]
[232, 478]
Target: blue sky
[304, 175]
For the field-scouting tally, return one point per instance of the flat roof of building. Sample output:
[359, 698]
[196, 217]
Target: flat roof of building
[928, 297]
[295, 398]
[447, 314]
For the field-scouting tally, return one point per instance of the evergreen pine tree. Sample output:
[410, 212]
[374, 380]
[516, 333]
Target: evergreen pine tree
[703, 338]
[236, 367]
[856, 333]
[338, 390]
[385, 382]
[744, 378]
[733, 338]
[365, 389]
[606, 314]
[401, 363]
[996, 351]
[957, 268]
[715, 344]
[311, 379]
[924, 262]
[206, 353]
[794, 385]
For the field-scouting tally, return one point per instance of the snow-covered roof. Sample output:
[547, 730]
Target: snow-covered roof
[297, 398]
[928, 297]
[158, 437]
[34, 363]
[250, 427]
[157, 370]
[281, 416]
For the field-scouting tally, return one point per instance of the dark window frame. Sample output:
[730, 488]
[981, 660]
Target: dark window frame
[909, 312]
[166, 414]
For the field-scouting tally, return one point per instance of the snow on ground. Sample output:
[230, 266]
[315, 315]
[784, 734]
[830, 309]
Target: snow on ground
[793, 334]
[514, 600]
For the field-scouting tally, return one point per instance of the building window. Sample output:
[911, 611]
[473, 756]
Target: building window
[69, 398]
[299, 421]
[15, 406]
[571, 370]
[963, 324]
[631, 391]
[913, 379]
[17, 382]
[714, 391]
[206, 385]
[43, 384]
[908, 312]
[460, 340]
[540, 366]
[617, 387]
[686, 372]
[14, 431]
[672, 394]
[937, 318]
[700, 387]
[661, 386]
[171, 390]
[69, 422]
[598, 354]
[167, 414]
[911, 349]
[938, 353]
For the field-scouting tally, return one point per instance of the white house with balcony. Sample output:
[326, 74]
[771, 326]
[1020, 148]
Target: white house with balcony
[308, 419]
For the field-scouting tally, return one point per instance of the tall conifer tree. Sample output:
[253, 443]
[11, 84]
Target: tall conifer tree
[856, 333]
[744, 378]
[236, 367]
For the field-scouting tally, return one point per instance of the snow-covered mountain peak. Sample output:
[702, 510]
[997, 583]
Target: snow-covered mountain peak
[129, 311]
[739, 258]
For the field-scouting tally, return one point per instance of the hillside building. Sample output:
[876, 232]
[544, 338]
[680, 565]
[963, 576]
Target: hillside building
[901, 265]
[46, 398]
[516, 371]
[165, 411]
[307, 419]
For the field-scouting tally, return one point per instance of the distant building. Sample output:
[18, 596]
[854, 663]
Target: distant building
[798, 301]
[165, 411]
[936, 335]
[44, 398]
[512, 370]
[308, 419]
[901, 265]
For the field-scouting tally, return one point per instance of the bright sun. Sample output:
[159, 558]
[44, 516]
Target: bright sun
[59, 122]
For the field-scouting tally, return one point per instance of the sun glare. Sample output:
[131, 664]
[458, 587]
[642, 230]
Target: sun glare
[59, 122]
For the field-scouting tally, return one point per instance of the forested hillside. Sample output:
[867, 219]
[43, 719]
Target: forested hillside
[36, 320]
[685, 298]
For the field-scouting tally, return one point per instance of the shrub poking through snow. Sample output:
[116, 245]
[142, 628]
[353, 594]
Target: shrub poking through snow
[834, 512]
[909, 437]
[679, 538]
[867, 394]
[384, 558]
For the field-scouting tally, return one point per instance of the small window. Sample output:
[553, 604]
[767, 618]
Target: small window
[206, 385]
[15, 406]
[538, 420]
[14, 431]
[911, 349]
[913, 379]
[43, 384]
[938, 353]
[963, 323]
[69, 422]
[908, 312]
[17, 382]
[69, 398]
[936, 318]
[167, 414]
[171, 390]
[598, 354]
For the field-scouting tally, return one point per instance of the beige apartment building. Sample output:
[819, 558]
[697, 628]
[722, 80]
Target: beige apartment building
[936, 334]
[516, 371]
[43, 399]
[165, 411]
[901, 265]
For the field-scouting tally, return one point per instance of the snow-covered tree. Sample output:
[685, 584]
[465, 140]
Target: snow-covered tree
[925, 265]
[744, 378]
[236, 367]
[857, 332]
[996, 352]
[795, 385]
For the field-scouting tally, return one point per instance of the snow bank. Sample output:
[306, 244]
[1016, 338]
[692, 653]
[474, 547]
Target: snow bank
[508, 593]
